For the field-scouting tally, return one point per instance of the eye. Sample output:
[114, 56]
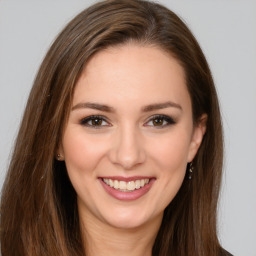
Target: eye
[160, 121]
[94, 122]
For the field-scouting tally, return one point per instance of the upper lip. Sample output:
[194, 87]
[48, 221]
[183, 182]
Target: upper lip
[127, 179]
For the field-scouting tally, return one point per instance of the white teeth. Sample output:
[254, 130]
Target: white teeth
[116, 184]
[109, 182]
[131, 185]
[122, 185]
[137, 184]
[106, 181]
[126, 186]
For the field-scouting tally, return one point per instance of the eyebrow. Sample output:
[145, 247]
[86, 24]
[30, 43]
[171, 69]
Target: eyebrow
[106, 108]
[163, 105]
[96, 106]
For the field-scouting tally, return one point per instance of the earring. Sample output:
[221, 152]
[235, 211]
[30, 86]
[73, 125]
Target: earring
[59, 157]
[190, 169]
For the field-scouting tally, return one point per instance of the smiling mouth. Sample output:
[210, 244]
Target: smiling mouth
[124, 186]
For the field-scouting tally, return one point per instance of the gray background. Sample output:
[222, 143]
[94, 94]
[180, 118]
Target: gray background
[226, 31]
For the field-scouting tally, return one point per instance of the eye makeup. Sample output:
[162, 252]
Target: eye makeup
[160, 121]
[95, 121]
[156, 121]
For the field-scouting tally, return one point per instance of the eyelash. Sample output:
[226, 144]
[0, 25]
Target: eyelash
[165, 119]
[86, 120]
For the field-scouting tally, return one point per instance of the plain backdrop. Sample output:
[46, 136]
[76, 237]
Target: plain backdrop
[226, 31]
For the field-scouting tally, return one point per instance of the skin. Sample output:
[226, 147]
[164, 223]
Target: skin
[128, 142]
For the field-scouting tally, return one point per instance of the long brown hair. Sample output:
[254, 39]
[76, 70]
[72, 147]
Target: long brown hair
[38, 205]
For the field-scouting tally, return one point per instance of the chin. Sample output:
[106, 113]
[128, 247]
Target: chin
[125, 219]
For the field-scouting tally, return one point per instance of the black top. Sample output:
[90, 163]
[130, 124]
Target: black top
[225, 253]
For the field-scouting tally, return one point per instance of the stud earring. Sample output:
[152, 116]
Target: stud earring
[190, 169]
[59, 157]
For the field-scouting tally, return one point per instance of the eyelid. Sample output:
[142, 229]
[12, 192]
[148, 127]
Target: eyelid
[168, 119]
[84, 121]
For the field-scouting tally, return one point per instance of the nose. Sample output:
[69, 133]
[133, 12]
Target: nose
[127, 149]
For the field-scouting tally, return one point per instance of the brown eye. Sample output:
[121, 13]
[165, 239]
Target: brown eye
[160, 121]
[94, 122]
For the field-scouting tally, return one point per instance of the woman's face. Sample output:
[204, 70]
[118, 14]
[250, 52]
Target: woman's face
[129, 135]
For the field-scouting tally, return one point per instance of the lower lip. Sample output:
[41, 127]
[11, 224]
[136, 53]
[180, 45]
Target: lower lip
[127, 196]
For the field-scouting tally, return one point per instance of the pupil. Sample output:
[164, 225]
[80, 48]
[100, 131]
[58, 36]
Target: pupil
[96, 121]
[157, 122]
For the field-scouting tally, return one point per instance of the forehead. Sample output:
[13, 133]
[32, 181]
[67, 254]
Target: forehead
[132, 73]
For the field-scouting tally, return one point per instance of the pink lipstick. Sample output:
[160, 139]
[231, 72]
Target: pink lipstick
[127, 188]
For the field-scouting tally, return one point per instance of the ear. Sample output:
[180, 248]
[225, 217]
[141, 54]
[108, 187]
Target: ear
[60, 153]
[197, 137]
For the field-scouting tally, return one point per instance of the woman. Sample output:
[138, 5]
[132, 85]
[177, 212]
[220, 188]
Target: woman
[120, 148]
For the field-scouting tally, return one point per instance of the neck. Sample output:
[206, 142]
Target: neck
[101, 239]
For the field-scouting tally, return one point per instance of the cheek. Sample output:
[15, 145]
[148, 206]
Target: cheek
[170, 159]
[82, 153]
[170, 152]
